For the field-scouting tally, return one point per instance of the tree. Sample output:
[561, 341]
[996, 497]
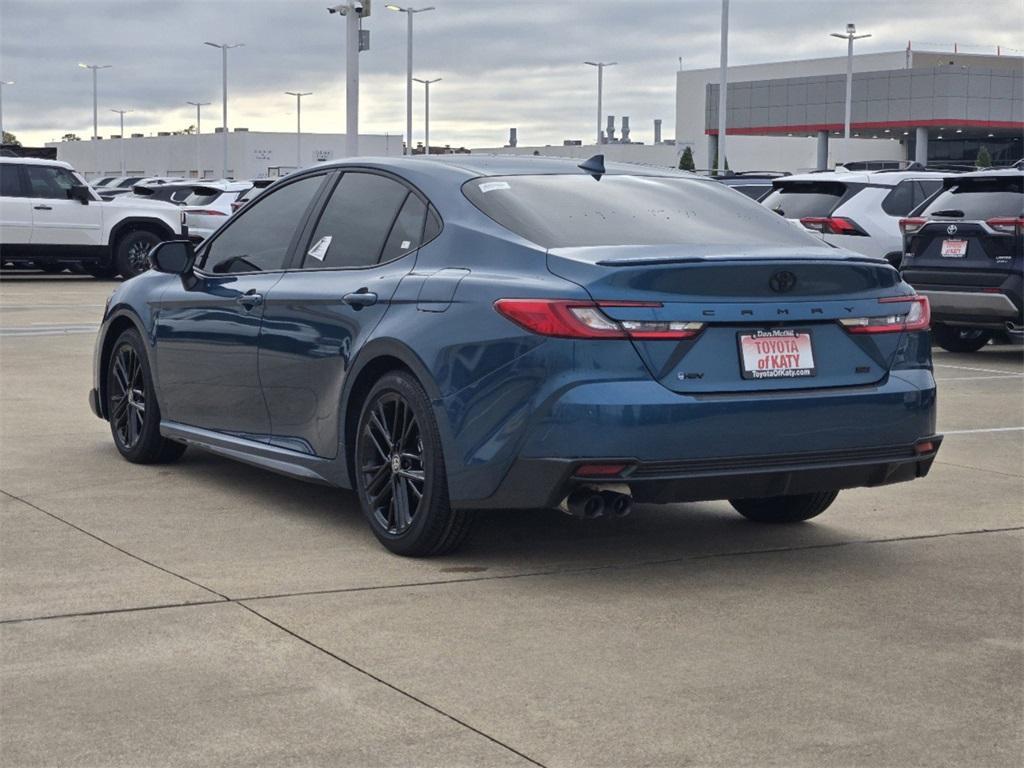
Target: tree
[10, 139]
[984, 158]
[686, 161]
[69, 137]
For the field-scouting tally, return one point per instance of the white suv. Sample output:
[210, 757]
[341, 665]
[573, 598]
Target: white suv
[51, 218]
[857, 210]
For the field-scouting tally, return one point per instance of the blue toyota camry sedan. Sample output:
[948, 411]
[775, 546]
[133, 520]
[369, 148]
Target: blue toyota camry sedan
[445, 336]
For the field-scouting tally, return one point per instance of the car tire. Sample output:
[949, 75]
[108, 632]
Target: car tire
[131, 254]
[131, 405]
[958, 339]
[785, 509]
[400, 475]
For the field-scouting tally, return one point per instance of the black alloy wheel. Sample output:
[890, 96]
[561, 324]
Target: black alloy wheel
[132, 256]
[393, 473]
[131, 405]
[400, 475]
[127, 397]
[960, 339]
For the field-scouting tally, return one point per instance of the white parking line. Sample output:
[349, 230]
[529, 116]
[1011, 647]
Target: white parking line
[978, 431]
[984, 378]
[968, 368]
[59, 330]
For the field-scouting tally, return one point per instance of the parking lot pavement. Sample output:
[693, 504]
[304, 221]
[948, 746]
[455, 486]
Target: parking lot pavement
[207, 612]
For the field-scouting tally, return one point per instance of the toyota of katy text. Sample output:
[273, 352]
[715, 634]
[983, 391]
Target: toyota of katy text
[449, 335]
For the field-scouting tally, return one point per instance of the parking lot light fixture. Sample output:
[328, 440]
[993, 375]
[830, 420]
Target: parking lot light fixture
[298, 124]
[224, 48]
[95, 116]
[122, 113]
[850, 35]
[409, 12]
[199, 158]
[353, 11]
[600, 88]
[426, 112]
[2, 84]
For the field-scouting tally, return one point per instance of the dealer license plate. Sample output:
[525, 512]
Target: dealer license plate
[779, 353]
[954, 249]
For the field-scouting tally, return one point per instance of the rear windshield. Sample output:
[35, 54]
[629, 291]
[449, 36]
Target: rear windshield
[980, 198]
[797, 199]
[563, 211]
[205, 197]
[129, 182]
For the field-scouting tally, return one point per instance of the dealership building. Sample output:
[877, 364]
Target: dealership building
[251, 154]
[911, 105]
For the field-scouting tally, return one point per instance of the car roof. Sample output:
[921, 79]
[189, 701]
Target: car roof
[991, 173]
[36, 161]
[877, 178]
[475, 165]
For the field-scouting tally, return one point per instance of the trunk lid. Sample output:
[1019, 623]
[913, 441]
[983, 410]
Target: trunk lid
[768, 295]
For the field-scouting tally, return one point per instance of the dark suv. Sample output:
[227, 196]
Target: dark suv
[963, 249]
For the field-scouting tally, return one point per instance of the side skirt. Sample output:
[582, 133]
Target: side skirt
[281, 460]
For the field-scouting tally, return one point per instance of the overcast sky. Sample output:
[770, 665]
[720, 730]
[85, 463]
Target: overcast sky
[503, 62]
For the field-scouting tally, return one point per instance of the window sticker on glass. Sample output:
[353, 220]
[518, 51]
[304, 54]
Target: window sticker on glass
[490, 186]
[406, 244]
[319, 250]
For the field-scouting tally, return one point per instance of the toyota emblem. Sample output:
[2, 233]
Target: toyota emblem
[951, 229]
[782, 282]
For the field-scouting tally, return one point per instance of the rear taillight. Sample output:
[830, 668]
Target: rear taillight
[1007, 224]
[832, 225]
[912, 225]
[205, 212]
[570, 319]
[916, 317]
[236, 206]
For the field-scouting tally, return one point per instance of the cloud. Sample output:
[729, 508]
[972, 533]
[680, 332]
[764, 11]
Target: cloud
[503, 62]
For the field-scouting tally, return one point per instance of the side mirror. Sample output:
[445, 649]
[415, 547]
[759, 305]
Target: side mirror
[81, 193]
[175, 257]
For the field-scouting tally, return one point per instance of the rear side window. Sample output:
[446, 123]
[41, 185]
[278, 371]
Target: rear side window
[797, 199]
[560, 211]
[356, 222]
[980, 198]
[909, 194]
[10, 180]
[407, 231]
[260, 238]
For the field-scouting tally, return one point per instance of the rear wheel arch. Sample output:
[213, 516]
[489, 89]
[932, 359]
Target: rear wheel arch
[376, 360]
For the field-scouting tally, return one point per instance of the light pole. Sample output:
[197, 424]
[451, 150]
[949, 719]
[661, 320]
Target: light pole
[600, 88]
[408, 65]
[2, 84]
[298, 124]
[224, 48]
[353, 11]
[122, 113]
[199, 157]
[723, 88]
[426, 112]
[95, 118]
[849, 36]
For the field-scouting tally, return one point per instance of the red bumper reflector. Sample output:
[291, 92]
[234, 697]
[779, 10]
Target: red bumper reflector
[926, 447]
[599, 470]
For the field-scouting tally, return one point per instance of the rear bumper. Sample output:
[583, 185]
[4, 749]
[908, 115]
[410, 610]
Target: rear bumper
[545, 482]
[971, 305]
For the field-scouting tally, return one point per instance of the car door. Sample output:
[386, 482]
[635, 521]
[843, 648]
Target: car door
[207, 325]
[320, 314]
[56, 218]
[15, 210]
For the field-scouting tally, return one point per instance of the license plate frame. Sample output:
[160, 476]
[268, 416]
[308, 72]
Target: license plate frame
[803, 340]
[957, 251]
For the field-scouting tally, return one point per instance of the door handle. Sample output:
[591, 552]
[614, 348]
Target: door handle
[359, 299]
[250, 299]
[42, 207]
